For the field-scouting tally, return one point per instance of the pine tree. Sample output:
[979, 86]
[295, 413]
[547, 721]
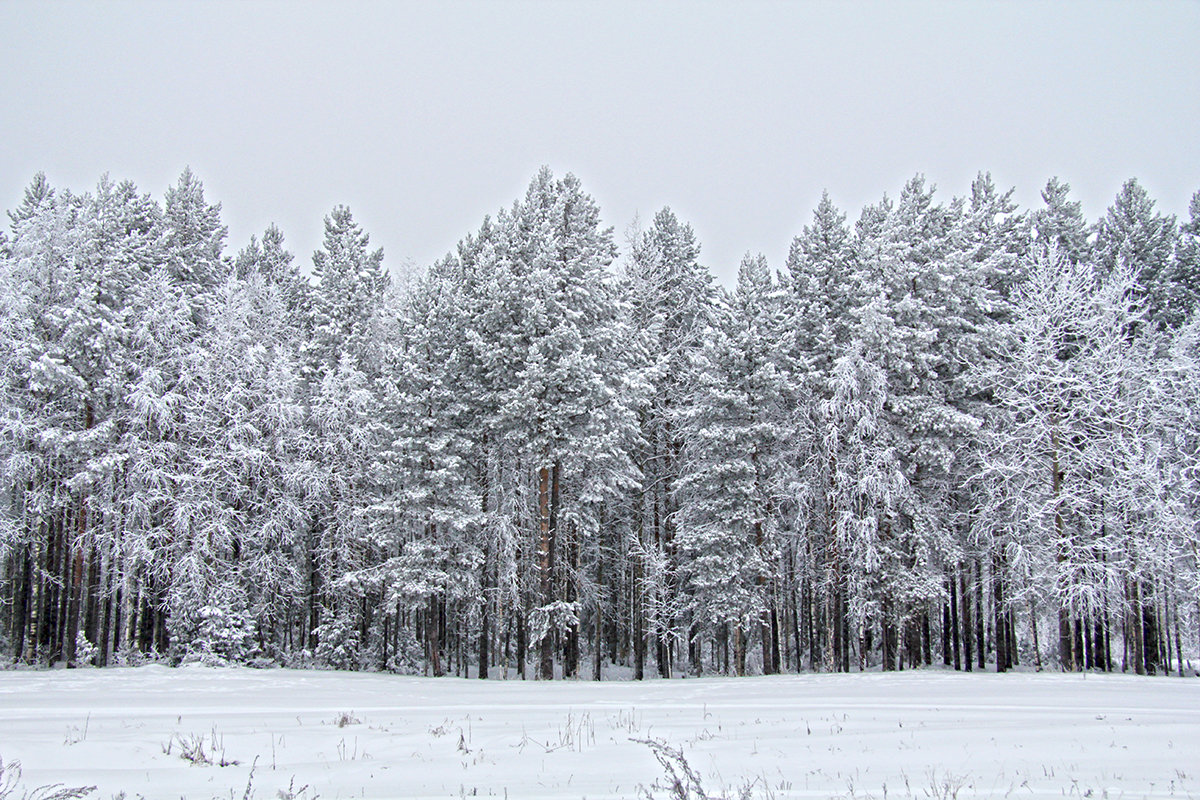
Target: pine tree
[562, 403]
[822, 267]
[908, 324]
[238, 508]
[193, 239]
[350, 284]
[733, 468]
[431, 413]
[277, 268]
[43, 413]
[1184, 285]
[340, 367]
[1133, 235]
[1060, 225]
[672, 306]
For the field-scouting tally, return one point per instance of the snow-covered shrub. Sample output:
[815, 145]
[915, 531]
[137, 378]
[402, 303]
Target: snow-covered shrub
[221, 637]
[338, 644]
[301, 658]
[85, 651]
[129, 656]
[409, 656]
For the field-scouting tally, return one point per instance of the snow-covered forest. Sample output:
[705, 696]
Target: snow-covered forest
[952, 431]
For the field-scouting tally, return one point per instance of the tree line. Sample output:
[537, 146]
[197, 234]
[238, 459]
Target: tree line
[950, 432]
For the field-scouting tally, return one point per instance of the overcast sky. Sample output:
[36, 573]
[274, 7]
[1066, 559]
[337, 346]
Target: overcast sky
[424, 117]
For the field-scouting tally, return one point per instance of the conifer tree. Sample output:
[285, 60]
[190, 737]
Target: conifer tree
[672, 306]
[732, 470]
[1060, 225]
[350, 283]
[1133, 235]
[193, 239]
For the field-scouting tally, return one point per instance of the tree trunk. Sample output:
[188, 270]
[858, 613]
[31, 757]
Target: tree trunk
[813, 628]
[1066, 652]
[639, 622]
[947, 659]
[521, 643]
[955, 644]
[886, 636]
[926, 638]
[1178, 640]
[545, 567]
[795, 619]
[1000, 622]
[23, 595]
[980, 640]
[845, 632]
[485, 627]
[1011, 638]
[764, 633]
[1138, 636]
[965, 598]
[571, 649]
[598, 652]
[1037, 648]
[739, 650]
[314, 592]
[1149, 646]
[433, 637]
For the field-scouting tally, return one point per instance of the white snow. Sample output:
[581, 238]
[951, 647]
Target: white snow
[913, 734]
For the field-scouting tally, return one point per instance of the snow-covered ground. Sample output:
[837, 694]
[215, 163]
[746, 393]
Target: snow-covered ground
[913, 734]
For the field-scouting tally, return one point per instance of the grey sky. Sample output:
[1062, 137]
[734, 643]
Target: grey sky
[423, 117]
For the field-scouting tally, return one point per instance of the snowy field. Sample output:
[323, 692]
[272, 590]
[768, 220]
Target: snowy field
[341, 735]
